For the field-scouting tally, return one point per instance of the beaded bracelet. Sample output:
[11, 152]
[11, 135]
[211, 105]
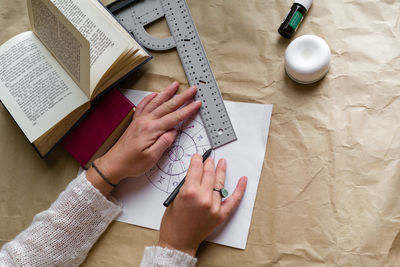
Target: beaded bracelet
[102, 176]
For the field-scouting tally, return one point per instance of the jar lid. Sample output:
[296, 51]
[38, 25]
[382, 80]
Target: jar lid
[307, 59]
[305, 3]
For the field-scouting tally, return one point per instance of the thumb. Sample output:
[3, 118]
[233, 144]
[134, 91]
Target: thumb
[163, 142]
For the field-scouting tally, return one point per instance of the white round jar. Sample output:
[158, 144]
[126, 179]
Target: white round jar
[307, 59]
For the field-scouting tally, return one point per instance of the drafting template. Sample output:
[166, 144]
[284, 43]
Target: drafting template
[173, 165]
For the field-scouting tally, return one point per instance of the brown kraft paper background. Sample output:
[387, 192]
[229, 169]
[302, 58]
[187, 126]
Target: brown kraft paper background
[329, 188]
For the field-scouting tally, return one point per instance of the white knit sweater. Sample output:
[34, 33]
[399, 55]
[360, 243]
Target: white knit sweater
[64, 234]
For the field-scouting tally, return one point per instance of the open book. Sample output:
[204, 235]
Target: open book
[50, 76]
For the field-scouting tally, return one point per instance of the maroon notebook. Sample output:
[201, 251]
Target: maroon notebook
[102, 123]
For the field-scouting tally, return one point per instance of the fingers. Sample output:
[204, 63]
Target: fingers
[195, 171]
[208, 176]
[162, 143]
[140, 107]
[175, 102]
[231, 203]
[171, 120]
[220, 173]
[162, 97]
[219, 183]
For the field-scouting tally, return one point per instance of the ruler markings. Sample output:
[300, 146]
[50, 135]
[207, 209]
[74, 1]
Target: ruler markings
[193, 57]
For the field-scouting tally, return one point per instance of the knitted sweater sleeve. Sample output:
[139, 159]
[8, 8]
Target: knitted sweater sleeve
[164, 257]
[64, 234]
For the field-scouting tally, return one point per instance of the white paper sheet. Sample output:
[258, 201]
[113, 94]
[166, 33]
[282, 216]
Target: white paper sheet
[142, 197]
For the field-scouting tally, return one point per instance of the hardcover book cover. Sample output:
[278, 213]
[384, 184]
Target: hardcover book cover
[102, 127]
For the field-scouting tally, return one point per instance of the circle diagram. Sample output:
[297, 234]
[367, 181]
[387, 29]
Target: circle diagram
[174, 163]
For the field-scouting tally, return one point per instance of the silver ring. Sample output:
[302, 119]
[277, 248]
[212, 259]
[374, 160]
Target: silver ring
[223, 192]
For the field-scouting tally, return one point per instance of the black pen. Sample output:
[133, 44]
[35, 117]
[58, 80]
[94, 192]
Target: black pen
[176, 190]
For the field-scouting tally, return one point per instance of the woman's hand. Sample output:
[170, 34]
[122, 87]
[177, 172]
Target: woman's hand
[197, 209]
[150, 133]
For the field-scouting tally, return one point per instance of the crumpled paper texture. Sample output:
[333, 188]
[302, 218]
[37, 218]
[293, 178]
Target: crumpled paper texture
[329, 189]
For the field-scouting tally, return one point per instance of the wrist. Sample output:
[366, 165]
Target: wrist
[98, 182]
[103, 177]
[109, 170]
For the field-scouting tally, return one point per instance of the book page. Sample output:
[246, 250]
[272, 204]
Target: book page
[106, 43]
[66, 43]
[34, 88]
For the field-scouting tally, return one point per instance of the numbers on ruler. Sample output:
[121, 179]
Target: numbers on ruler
[198, 71]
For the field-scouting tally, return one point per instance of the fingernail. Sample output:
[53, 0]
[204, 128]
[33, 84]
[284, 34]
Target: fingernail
[223, 162]
[197, 156]
[192, 90]
[175, 83]
[198, 101]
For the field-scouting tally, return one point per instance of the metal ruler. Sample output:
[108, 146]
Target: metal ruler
[134, 15]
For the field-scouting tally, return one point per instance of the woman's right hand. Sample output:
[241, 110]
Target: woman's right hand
[198, 209]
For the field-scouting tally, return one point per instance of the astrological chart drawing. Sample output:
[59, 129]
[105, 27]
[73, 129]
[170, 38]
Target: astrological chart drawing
[173, 165]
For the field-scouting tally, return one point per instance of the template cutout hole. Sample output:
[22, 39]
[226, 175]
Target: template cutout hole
[158, 28]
